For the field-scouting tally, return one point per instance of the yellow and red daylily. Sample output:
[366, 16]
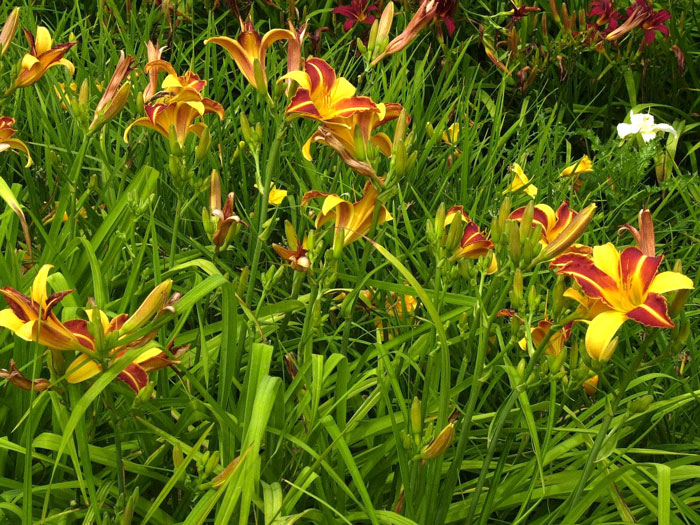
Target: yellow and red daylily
[628, 284]
[7, 131]
[178, 115]
[324, 96]
[352, 137]
[222, 222]
[135, 375]
[32, 318]
[175, 88]
[352, 219]
[473, 243]
[116, 95]
[249, 47]
[560, 229]
[42, 56]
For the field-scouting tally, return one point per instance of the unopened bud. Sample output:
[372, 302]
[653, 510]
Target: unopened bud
[569, 235]
[440, 444]
[178, 456]
[526, 221]
[640, 404]
[416, 417]
[204, 144]
[513, 235]
[518, 288]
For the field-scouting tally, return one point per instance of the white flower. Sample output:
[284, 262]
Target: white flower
[644, 124]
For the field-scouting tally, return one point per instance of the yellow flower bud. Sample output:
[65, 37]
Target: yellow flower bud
[440, 444]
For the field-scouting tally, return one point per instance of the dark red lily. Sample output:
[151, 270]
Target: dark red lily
[357, 11]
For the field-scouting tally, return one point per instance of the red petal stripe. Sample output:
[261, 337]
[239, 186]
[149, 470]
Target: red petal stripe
[654, 312]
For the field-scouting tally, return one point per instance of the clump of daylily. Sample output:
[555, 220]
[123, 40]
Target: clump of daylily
[618, 286]
[42, 56]
[116, 94]
[351, 220]
[104, 341]
[220, 223]
[429, 11]
[248, 51]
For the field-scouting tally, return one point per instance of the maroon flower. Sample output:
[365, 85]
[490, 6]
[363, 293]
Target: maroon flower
[356, 11]
[606, 14]
[642, 14]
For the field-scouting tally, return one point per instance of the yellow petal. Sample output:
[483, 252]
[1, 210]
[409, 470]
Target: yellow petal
[607, 259]
[153, 304]
[600, 333]
[43, 41]
[276, 196]
[65, 63]
[81, 369]
[9, 320]
[148, 354]
[39, 285]
[306, 149]
[28, 61]
[171, 81]
[299, 77]
[342, 89]
[669, 281]
[331, 202]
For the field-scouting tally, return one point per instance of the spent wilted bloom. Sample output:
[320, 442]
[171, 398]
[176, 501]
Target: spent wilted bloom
[352, 220]
[324, 96]
[357, 11]
[644, 236]
[250, 48]
[9, 29]
[583, 165]
[643, 124]
[521, 182]
[116, 95]
[7, 142]
[440, 11]
[354, 139]
[42, 56]
[556, 342]
[556, 227]
[221, 223]
[628, 284]
[154, 54]
[296, 252]
[19, 380]
[32, 318]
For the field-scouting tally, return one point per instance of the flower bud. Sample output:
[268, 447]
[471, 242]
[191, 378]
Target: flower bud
[499, 224]
[84, 95]
[383, 30]
[150, 307]
[518, 288]
[416, 417]
[211, 463]
[372, 41]
[204, 144]
[590, 385]
[178, 456]
[429, 130]
[247, 132]
[454, 233]
[514, 247]
[259, 75]
[440, 444]
[640, 404]
[174, 144]
[558, 299]
[128, 514]
[569, 235]
[526, 221]
[9, 29]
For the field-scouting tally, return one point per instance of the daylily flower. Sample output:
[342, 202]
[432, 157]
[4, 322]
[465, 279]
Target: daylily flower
[276, 195]
[221, 223]
[323, 96]
[178, 115]
[558, 234]
[40, 58]
[353, 137]
[295, 48]
[154, 54]
[642, 14]
[116, 95]
[590, 385]
[643, 123]
[583, 165]
[440, 11]
[176, 88]
[295, 253]
[7, 142]
[644, 236]
[135, 375]
[629, 284]
[521, 181]
[398, 307]
[556, 342]
[9, 29]
[250, 47]
[357, 11]
[352, 219]
[19, 380]
[32, 318]
[606, 14]
[473, 243]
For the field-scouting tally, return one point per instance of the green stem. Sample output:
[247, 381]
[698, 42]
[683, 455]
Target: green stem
[176, 227]
[262, 208]
[121, 477]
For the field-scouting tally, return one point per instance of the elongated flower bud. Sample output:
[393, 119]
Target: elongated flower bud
[416, 417]
[8, 31]
[150, 307]
[570, 234]
[439, 445]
